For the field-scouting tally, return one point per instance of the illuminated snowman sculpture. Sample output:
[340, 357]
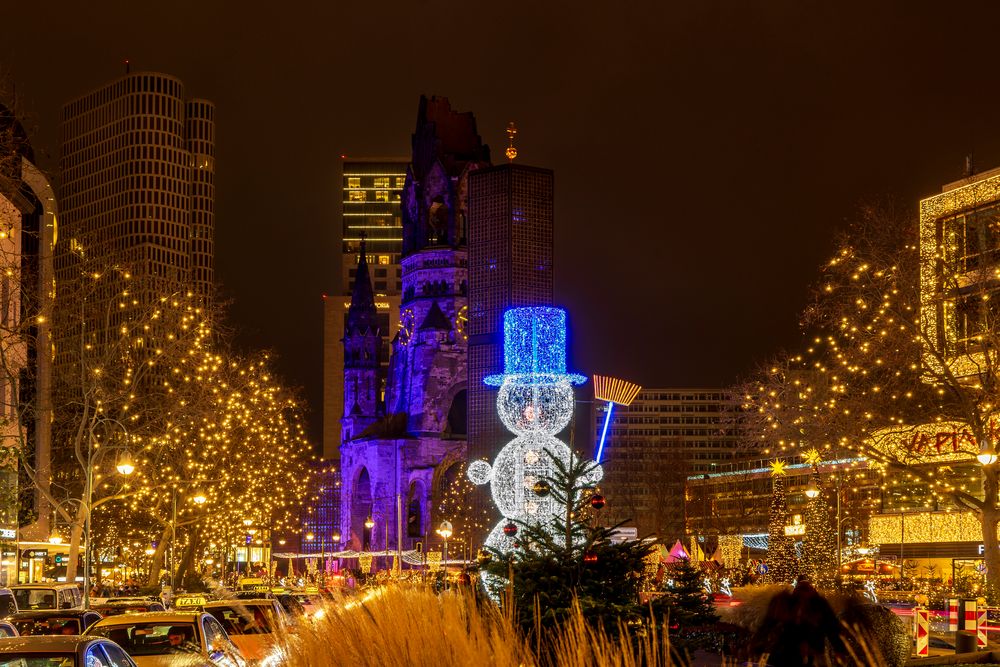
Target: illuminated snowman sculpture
[535, 402]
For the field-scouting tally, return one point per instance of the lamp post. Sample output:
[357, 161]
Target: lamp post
[124, 466]
[445, 531]
[369, 524]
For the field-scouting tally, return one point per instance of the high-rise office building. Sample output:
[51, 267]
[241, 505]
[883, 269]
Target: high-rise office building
[511, 227]
[655, 444]
[137, 199]
[138, 184]
[371, 192]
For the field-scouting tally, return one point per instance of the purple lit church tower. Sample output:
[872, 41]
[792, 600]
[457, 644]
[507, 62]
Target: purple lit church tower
[399, 450]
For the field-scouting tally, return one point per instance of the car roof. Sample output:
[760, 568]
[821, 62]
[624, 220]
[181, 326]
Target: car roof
[40, 643]
[44, 613]
[238, 602]
[151, 617]
[52, 584]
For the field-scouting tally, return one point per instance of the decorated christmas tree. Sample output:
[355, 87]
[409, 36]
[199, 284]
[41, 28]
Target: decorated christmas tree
[689, 603]
[571, 557]
[819, 548]
[781, 561]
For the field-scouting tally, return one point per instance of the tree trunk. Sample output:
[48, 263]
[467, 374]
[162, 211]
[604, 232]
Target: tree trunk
[75, 534]
[989, 517]
[187, 560]
[156, 564]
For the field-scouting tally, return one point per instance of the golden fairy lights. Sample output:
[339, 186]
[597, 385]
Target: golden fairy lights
[202, 423]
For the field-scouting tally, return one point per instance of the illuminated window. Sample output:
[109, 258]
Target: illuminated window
[381, 195]
[383, 259]
[382, 182]
[400, 182]
[358, 195]
[354, 182]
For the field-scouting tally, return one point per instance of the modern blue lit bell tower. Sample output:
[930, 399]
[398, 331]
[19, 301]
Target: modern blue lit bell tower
[511, 227]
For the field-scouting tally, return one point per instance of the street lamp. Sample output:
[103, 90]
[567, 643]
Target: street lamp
[444, 530]
[369, 522]
[55, 538]
[812, 491]
[199, 498]
[125, 465]
[987, 453]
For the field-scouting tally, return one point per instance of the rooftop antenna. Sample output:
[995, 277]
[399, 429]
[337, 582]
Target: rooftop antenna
[127, 66]
[511, 151]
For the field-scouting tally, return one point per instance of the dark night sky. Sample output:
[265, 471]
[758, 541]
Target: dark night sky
[705, 152]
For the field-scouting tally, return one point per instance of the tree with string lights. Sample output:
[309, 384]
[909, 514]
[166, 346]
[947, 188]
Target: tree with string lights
[781, 561]
[902, 367]
[819, 544]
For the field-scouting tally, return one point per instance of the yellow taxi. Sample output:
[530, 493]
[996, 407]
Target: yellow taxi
[253, 625]
[155, 639]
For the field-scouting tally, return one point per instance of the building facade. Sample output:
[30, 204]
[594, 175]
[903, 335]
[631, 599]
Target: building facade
[653, 445]
[511, 238]
[371, 213]
[27, 233]
[399, 449]
[138, 184]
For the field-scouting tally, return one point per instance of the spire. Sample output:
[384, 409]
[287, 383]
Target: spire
[362, 314]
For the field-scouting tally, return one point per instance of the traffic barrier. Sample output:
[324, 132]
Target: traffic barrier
[921, 620]
[981, 628]
[953, 615]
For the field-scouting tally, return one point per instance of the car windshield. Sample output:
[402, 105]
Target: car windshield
[240, 619]
[37, 660]
[35, 598]
[151, 638]
[47, 626]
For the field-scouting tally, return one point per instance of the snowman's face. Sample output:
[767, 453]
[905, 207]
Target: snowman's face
[535, 407]
[519, 465]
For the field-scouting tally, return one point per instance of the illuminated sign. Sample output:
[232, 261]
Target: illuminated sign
[189, 601]
[8, 534]
[36, 554]
[800, 529]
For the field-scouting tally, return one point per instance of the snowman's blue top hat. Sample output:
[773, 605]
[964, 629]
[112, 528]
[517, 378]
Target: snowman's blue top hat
[534, 347]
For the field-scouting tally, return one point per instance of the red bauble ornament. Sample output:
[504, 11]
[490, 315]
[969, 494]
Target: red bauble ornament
[590, 557]
[510, 530]
[597, 501]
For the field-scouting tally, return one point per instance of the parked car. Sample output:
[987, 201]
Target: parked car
[253, 625]
[74, 651]
[47, 596]
[53, 621]
[166, 637]
[116, 606]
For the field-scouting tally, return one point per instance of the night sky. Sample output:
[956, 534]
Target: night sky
[705, 152]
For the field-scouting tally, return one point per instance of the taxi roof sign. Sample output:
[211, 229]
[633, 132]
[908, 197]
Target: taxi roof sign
[189, 601]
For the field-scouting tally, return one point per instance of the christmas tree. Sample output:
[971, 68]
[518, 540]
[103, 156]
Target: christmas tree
[781, 562]
[572, 558]
[819, 548]
[688, 600]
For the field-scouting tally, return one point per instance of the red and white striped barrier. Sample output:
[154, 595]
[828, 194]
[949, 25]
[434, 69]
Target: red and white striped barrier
[970, 619]
[981, 628]
[921, 621]
[953, 615]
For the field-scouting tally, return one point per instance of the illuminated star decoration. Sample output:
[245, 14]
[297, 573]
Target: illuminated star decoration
[812, 457]
[777, 468]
